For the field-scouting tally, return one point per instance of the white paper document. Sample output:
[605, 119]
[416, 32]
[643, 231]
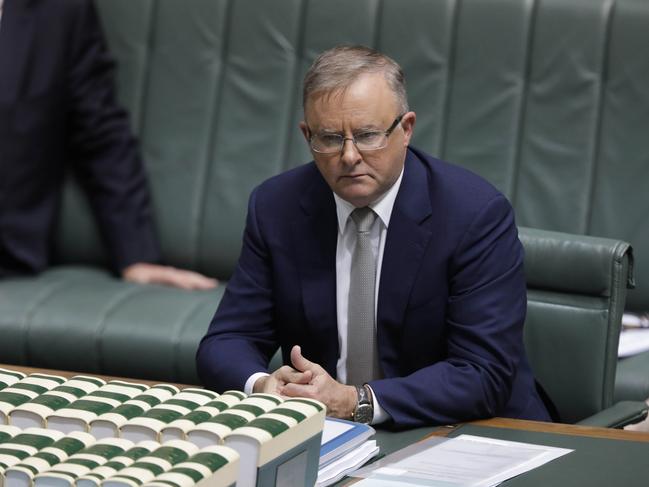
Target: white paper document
[463, 461]
[633, 342]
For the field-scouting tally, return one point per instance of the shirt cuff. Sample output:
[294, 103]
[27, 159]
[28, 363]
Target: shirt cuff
[380, 414]
[247, 388]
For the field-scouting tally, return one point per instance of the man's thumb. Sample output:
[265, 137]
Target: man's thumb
[298, 361]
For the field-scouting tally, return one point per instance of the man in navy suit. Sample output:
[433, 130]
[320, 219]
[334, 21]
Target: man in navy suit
[58, 111]
[449, 288]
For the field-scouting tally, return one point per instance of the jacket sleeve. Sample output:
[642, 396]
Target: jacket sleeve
[103, 148]
[483, 331]
[241, 337]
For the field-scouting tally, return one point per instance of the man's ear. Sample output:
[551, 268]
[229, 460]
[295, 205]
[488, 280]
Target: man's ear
[305, 130]
[408, 126]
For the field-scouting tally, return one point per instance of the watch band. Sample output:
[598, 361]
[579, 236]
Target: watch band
[364, 412]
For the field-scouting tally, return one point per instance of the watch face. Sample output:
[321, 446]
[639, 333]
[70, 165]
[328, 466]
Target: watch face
[363, 414]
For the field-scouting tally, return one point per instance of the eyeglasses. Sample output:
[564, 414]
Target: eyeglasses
[364, 141]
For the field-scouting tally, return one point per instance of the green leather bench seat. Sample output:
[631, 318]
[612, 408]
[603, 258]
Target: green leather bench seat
[548, 99]
[84, 319]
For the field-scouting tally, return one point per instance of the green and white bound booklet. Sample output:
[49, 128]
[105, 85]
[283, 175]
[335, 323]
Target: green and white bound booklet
[177, 429]
[78, 415]
[64, 474]
[24, 390]
[22, 474]
[148, 467]
[34, 413]
[7, 432]
[213, 466]
[98, 474]
[23, 445]
[214, 430]
[107, 425]
[149, 425]
[9, 377]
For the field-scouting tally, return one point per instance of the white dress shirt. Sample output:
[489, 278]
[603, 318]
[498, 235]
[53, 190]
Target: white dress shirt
[344, 250]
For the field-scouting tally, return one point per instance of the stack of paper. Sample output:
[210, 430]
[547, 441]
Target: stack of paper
[345, 448]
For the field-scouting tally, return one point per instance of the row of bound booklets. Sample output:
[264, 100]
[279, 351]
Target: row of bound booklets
[84, 431]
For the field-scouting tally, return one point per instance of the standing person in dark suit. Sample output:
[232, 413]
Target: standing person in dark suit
[392, 281]
[58, 107]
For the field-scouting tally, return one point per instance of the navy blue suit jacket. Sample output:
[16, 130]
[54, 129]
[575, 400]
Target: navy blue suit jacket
[58, 111]
[451, 302]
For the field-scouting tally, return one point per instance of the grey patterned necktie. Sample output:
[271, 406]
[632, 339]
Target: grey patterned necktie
[362, 360]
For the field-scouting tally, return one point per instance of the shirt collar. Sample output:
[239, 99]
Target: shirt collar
[382, 206]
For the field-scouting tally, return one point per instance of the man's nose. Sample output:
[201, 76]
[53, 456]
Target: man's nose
[350, 153]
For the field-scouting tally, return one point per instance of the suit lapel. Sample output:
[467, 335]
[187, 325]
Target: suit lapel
[406, 241]
[315, 235]
[16, 33]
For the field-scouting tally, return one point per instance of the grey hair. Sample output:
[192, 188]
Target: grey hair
[337, 68]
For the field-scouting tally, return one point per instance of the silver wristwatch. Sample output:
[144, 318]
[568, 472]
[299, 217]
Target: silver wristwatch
[364, 411]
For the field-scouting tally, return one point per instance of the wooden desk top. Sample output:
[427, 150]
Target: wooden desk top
[564, 429]
[557, 428]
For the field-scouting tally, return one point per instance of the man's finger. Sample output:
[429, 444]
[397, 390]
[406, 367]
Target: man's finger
[298, 390]
[287, 374]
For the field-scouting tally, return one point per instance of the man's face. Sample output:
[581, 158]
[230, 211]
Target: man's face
[367, 105]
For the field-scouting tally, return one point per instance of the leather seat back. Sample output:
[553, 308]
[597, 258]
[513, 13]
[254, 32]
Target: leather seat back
[576, 294]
